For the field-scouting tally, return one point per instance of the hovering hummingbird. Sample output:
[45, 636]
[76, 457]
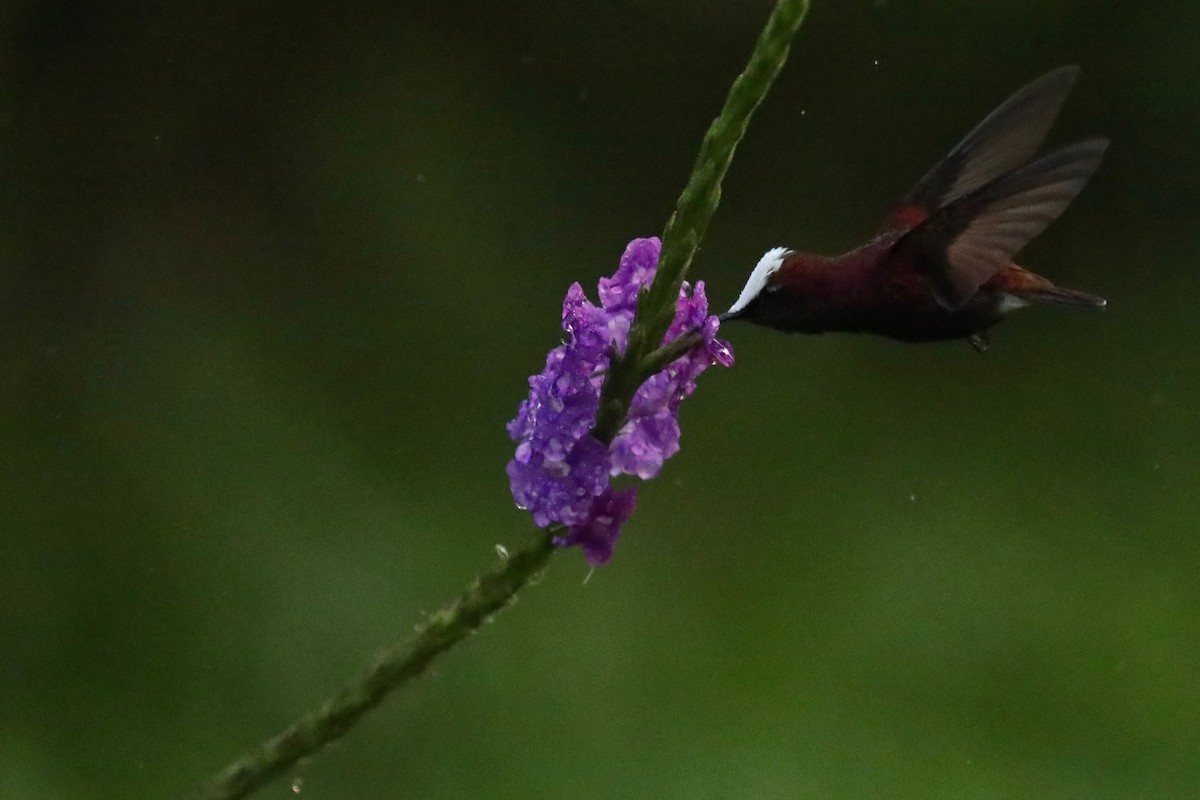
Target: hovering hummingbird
[941, 267]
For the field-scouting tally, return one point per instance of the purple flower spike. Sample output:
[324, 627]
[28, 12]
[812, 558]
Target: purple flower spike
[560, 473]
[599, 535]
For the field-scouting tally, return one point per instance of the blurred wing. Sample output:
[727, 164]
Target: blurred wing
[1006, 139]
[971, 239]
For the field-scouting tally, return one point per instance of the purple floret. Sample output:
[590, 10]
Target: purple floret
[638, 263]
[561, 490]
[599, 534]
[560, 473]
[651, 434]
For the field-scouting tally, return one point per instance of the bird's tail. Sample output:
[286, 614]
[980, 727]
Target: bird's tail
[1058, 296]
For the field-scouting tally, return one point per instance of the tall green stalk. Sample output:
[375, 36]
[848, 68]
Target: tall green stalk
[490, 593]
[693, 211]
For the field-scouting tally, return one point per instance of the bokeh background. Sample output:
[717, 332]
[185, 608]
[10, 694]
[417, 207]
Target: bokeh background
[272, 276]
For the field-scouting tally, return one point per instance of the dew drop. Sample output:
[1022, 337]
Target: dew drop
[502, 551]
[297, 785]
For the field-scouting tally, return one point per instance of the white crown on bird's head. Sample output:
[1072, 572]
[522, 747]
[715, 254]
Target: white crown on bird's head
[767, 266]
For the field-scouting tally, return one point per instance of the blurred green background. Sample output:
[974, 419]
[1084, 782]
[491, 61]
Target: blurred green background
[272, 276]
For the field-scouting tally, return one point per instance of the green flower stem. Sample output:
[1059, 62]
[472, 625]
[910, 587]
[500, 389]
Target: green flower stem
[392, 669]
[699, 199]
[663, 356]
[694, 209]
[643, 357]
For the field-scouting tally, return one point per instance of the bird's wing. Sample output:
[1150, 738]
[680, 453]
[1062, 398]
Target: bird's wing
[972, 238]
[1006, 139]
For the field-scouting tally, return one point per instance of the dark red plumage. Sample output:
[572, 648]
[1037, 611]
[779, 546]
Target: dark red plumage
[942, 266]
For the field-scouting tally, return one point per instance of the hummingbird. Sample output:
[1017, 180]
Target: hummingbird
[941, 266]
